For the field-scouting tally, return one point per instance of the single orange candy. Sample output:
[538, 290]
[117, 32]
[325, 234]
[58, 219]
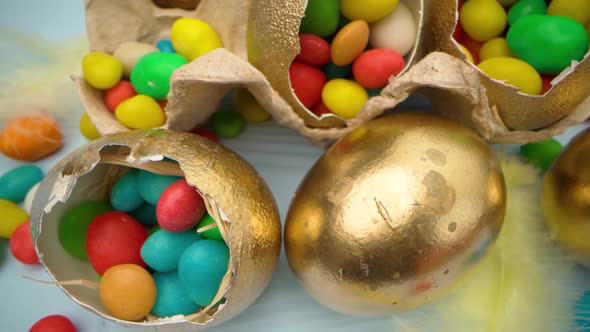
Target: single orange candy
[350, 42]
[30, 137]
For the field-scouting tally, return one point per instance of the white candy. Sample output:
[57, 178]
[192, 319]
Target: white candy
[29, 198]
[130, 52]
[397, 31]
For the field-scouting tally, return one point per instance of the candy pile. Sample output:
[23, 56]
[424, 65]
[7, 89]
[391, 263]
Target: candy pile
[136, 77]
[525, 43]
[16, 186]
[349, 50]
[146, 246]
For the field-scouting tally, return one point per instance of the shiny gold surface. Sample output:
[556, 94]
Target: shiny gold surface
[226, 181]
[273, 43]
[566, 197]
[394, 213]
[518, 111]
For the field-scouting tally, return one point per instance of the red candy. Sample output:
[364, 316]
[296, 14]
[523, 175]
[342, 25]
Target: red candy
[21, 245]
[163, 103]
[180, 207]
[53, 323]
[314, 50]
[118, 94]
[307, 83]
[207, 134]
[321, 109]
[373, 68]
[114, 238]
[473, 46]
[546, 83]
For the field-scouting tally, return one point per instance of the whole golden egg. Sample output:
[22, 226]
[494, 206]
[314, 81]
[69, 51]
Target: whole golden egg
[394, 214]
[566, 197]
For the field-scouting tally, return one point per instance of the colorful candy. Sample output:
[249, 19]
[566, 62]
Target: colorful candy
[483, 19]
[578, 10]
[114, 238]
[397, 31]
[129, 53]
[192, 38]
[145, 214]
[16, 183]
[495, 48]
[172, 298]
[212, 234]
[321, 17]
[140, 112]
[88, 129]
[73, 227]
[162, 250]
[53, 323]
[207, 134]
[373, 68]
[128, 292]
[307, 83]
[514, 72]
[125, 194]
[180, 207]
[467, 53]
[12, 217]
[350, 42]
[204, 255]
[151, 186]
[526, 7]
[21, 245]
[151, 74]
[541, 154]
[314, 50]
[345, 98]
[369, 10]
[118, 94]
[249, 108]
[165, 45]
[28, 204]
[101, 70]
[228, 124]
[332, 71]
[531, 36]
[30, 137]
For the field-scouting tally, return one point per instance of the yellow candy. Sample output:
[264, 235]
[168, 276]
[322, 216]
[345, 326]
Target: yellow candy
[249, 107]
[12, 217]
[368, 10]
[495, 48]
[192, 38]
[483, 20]
[345, 98]
[87, 128]
[579, 10]
[101, 70]
[140, 112]
[514, 72]
[467, 53]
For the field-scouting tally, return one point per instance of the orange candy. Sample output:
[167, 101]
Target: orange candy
[350, 42]
[30, 137]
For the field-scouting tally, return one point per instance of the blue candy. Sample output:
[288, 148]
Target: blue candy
[172, 298]
[201, 269]
[15, 184]
[145, 214]
[152, 185]
[162, 250]
[165, 45]
[125, 194]
[582, 313]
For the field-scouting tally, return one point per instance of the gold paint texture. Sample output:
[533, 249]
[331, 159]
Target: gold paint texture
[518, 111]
[273, 43]
[235, 194]
[394, 214]
[566, 198]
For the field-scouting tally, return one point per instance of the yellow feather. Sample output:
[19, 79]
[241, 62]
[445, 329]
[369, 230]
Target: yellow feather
[524, 284]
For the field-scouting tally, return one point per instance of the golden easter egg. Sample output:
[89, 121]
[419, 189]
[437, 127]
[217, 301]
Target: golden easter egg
[394, 214]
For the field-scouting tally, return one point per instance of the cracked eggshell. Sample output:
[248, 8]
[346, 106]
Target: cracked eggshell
[245, 208]
[394, 214]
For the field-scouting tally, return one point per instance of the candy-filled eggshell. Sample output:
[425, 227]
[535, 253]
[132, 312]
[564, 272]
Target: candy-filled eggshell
[162, 250]
[397, 31]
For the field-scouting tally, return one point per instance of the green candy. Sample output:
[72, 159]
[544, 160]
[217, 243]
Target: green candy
[548, 43]
[526, 7]
[332, 71]
[73, 227]
[228, 124]
[321, 18]
[151, 74]
[212, 234]
[541, 154]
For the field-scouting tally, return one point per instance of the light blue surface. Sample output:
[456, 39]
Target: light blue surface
[282, 156]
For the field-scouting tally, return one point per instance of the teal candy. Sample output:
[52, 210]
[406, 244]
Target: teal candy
[172, 298]
[373, 92]
[548, 43]
[145, 214]
[125, 194]
[165, 45]
[541, 154]
[16, 183]
[321, 17]
[582, 313]
[152, 185]
[332, 71]
[162, 250]
[228, 124]
[211, 256]
[151, 74]
[526, 7]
